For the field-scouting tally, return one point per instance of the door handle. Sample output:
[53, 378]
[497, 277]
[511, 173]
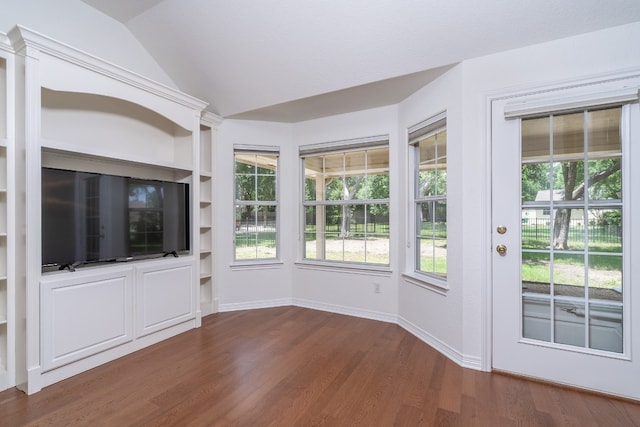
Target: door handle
[501, 249]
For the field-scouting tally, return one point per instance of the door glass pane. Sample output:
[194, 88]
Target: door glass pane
[536, 273]
[571, 229]
[568, 137]
[606, 179]
[568, 275]
[536, 318]
[605, 277]
[605, 326]
[605, 230]
[568, 229]
[569, 322]
[535, 182]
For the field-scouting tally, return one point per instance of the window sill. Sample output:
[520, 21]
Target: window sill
[433, 284]
[256, 264]
[374, 270]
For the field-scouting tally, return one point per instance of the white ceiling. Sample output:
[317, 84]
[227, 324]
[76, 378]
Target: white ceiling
[292, 60]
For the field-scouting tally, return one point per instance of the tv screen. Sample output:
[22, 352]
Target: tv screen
[91, 217]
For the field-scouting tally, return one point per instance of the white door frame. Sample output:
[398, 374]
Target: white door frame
[520, 93]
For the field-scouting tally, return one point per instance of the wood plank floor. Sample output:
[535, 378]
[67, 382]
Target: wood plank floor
[292, 366]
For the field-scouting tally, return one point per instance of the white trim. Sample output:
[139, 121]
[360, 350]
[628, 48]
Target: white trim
[249, 148]
[344, 145]
[22, 37]
[352, 268]
[543, 106]
[349, 311]
[432, 284]
[434, 124]
[431, 120]
[256, 264]
[466, 361]
[210, 120]
[251, 305]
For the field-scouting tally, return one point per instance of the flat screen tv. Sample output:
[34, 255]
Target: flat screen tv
[91, 217]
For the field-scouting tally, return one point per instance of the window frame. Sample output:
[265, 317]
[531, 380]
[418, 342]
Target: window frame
[359, 145]
[416, 133]
[257, 151]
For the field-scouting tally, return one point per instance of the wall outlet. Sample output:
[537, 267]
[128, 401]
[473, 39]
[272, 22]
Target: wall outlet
[376, 288]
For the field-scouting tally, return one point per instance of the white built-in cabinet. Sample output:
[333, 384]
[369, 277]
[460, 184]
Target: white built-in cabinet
[7, 236]
[80, 112]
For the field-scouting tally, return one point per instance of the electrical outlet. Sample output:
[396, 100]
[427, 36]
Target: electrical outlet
[376, 288]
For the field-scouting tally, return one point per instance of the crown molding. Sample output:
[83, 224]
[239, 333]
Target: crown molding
[209, 119]
[22, 37]
[5, 43]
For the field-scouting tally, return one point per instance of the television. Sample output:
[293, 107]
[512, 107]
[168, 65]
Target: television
[92, 217]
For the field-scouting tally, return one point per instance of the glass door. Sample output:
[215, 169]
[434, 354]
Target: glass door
[563, 234]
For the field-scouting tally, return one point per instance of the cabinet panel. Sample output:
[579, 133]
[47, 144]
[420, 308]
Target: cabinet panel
[165, 296]
[84, 315]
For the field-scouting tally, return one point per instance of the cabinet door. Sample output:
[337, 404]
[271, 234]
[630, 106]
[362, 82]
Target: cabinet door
[165, 295]
[84, 315]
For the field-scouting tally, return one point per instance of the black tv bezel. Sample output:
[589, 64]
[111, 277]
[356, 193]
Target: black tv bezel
[129, 257]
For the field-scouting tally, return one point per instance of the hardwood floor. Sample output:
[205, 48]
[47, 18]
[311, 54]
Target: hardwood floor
[292, 366]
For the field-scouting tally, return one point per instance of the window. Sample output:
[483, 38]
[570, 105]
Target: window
[256, 204]
[346, 202]
[428, 140]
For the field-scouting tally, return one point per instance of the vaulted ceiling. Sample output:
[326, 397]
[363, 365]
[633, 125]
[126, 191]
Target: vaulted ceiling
[292, 60]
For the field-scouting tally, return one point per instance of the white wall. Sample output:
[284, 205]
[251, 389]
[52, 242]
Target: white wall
[83, 27]
[438, 318]
[289, 282]
[353, 292]
[244, 287]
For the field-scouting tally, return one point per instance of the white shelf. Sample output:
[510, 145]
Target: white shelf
[109, 156]
[206, 174]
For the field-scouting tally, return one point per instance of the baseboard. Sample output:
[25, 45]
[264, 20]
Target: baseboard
[350, 311]
[466, 361]
[251, 305]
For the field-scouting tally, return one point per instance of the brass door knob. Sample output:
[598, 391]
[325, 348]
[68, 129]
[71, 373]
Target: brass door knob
[501, 249]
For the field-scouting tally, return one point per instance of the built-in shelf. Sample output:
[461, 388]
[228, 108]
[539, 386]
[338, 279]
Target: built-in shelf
[109, 156]
[7, 248]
